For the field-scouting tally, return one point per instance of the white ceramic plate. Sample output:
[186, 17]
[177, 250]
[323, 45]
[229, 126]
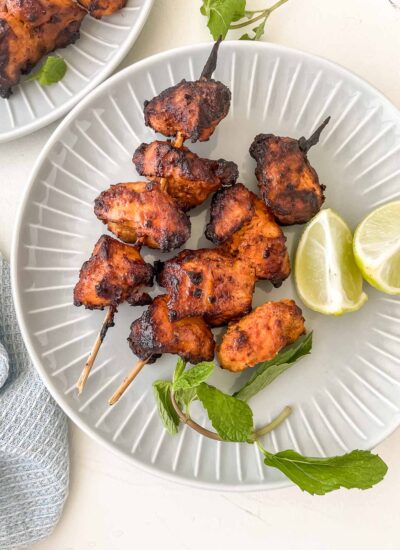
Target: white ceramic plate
[345, 395]
[101, 47]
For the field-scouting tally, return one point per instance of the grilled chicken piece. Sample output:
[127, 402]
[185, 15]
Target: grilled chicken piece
[189, 179]
[207, 283]
[99, 8]
[289, 184]
[193, 109]
[141, 213]
[260, 335]
[36, 12]
[244, 227]
[114, 273]
[154, 334]
[28, 31]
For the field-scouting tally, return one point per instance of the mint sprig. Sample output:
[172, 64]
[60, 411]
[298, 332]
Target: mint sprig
[232, 418]
[225, 15]
[51, 71]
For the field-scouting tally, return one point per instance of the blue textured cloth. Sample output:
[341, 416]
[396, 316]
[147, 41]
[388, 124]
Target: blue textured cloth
[33, 439]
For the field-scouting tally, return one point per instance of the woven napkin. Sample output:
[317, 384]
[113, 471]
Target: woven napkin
[33, 439]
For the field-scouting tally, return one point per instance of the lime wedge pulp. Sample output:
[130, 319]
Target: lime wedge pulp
[377, 248]
[327, 277]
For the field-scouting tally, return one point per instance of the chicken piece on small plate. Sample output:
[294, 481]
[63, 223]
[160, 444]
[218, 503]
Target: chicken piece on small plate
[141, 213]
[154, 334]
[260, 335]
[30, 30]
[99, 8]
[114, 273]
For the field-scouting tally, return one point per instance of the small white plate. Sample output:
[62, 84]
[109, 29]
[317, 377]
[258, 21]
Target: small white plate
[345, 395]
[102, 46]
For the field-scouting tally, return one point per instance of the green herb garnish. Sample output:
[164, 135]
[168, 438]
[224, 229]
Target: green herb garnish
[232, 418]
[162, 393]
[51, 71]
[225, 15]
[318, 476]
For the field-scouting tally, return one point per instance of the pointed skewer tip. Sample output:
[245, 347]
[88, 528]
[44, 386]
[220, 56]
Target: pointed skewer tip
[211, 62]
[306, 144]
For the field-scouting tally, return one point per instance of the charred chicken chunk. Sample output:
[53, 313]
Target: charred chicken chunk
[141, 213]
[154, 334]
[244, 227]
[36, 12]
[188, 178]
[99, 8]
[260, 335]
[289, 184]
[28, 31]
[114, 273]
[192, 109]
[207, 283]
[230, 210]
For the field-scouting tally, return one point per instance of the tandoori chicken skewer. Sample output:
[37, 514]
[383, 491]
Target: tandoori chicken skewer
[154, 333]
[187, 110]
[243, 227]
[260, 335]
[205, 288]
[115, 273]
[289, 184]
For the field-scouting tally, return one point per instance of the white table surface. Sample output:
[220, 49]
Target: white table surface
[115, 506]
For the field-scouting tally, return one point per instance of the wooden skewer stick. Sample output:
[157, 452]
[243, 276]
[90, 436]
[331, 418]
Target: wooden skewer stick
[178, 142]
[127, 381]
[107, 323]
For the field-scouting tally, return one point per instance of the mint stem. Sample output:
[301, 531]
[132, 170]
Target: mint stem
[287, 411]
[263, 15]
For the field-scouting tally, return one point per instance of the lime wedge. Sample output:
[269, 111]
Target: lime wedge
[327, 277]
[377, 248]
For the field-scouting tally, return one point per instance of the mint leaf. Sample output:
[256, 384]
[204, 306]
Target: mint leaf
[180, 367]
[269, 370]
[230, 417]
[194, 376]
[355, 470]
[221, 13]
[185, 397]
[52, 71]
[162, 393]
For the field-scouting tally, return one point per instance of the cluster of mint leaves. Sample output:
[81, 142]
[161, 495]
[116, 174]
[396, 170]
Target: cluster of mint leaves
[51, 71]
[232, 419]
[225, 15]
